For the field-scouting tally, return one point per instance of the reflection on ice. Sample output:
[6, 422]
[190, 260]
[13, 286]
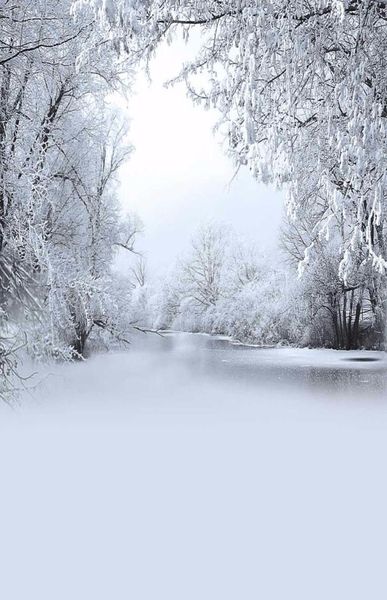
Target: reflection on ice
[303, 370]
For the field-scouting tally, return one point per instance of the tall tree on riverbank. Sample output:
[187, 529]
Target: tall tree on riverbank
[61, 145]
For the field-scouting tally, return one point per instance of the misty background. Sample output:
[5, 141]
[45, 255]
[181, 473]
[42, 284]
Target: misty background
[179, 175]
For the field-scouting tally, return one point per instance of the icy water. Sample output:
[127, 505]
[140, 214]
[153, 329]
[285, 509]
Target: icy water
[191, 469]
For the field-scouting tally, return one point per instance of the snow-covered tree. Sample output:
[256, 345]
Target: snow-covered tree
[345, 313]
[61, 145]
[203, 270]
[301, 85]
[223, 285]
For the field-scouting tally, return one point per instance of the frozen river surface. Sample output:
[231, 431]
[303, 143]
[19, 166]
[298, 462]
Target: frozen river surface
[191, 469]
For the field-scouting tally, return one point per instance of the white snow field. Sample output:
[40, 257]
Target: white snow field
[191, 469]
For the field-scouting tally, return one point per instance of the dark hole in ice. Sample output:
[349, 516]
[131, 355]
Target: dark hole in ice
[362, 359]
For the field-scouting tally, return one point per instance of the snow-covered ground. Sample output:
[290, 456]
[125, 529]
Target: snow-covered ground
[188, 468]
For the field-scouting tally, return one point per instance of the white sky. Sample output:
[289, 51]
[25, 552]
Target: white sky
[179, 175]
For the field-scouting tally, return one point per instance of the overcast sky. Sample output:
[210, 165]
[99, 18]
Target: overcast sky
[179, 176]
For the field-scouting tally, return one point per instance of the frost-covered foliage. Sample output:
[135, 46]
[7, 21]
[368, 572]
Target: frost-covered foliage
[9, 378]
[221, 286]
[349, 310]
[301, 87]
[225, 286]
[61, 146]
[289, 77]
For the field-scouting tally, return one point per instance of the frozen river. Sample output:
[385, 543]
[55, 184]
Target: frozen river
[189, 468]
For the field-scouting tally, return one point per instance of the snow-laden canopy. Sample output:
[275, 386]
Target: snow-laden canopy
[302, 88]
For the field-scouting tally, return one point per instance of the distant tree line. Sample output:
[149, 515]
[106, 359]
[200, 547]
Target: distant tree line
[224, 285]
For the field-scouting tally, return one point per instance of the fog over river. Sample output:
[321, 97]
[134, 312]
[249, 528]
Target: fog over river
[189, 468]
